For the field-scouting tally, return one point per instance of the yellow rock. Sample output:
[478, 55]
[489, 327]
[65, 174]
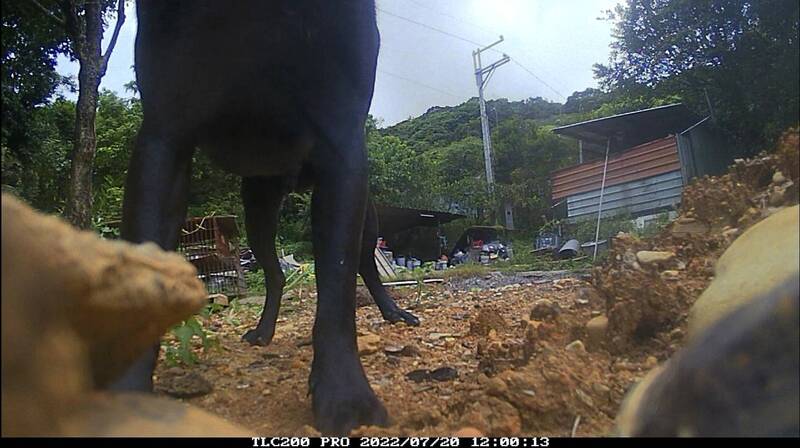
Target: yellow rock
[76, 310]
[140, 415]
[119, 298]
[761, 258]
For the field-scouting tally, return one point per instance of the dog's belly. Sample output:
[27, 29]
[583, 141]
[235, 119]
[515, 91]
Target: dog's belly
[249, 147]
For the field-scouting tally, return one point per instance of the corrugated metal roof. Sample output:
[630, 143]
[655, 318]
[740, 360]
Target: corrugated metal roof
[631, 128]
[643, 161]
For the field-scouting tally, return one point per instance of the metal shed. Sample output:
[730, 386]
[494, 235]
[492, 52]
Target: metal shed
[411, 231]
[636, 163]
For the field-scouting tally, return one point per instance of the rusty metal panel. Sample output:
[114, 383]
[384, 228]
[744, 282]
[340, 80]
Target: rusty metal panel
[646, 160]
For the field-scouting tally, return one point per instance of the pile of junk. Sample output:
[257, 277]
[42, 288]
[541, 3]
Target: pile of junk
[481, 244]
[560, 248]
[398, 261]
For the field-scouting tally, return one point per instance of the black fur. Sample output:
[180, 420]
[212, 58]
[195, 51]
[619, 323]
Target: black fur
[277, 92]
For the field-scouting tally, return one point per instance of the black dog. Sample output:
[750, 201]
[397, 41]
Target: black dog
[259, 209]
[276, 92]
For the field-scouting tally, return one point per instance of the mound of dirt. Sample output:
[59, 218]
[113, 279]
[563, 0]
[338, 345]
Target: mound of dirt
[788, 155]
[646, 298]
[650, 284]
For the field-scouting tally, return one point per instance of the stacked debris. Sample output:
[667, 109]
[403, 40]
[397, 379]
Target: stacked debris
[649, 284]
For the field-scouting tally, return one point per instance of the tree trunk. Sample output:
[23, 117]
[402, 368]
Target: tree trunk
[80, 189]
[90, 57]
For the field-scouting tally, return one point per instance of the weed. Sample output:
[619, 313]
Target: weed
[181, 349]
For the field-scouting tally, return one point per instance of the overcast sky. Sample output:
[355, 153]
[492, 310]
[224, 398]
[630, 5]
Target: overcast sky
[426, 46]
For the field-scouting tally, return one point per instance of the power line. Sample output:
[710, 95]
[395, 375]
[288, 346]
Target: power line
[446, 33]
[465, 22]
[413, 81]
[455, 36]
[532, 59]
[493, 33]
[538, 78]
[471, 24]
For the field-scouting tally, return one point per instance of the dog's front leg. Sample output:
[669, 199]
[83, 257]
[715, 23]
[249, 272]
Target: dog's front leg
[342, 397]
[154, 209]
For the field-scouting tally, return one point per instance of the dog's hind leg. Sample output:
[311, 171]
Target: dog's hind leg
[262, 198]
[369, 272]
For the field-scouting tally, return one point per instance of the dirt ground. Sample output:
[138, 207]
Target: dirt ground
[548, 356]
[514, 373]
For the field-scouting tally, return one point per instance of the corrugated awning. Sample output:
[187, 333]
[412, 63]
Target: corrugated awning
[631, 128]
[396, 219]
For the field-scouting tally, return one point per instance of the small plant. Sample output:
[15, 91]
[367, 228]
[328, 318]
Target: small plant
[181, 352]
[302, 276]
[419, 277]
[255, 282]
[653, 227]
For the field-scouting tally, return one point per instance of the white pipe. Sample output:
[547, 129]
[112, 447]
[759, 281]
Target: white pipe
[600, 206]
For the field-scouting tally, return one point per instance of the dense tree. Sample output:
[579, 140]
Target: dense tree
[30, 45]
[117, 124]
[525, 155]
[446, 170]
[443, 125]
[38, 167]
[738, 56]
[81, 24]
[585, 101]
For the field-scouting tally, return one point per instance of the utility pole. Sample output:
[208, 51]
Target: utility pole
[482, 76]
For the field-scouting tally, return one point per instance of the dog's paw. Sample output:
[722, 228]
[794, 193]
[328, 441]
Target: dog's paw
[258, 337]
[399, 315]
[343, 400]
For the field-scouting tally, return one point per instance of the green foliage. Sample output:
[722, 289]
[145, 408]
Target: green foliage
[440, 126]
[300, 277]
[584, 230]
[37, 169]
[743, 54]
[40, 174]
[255, 282]
[303, 275]
[395, 171]
[294, 226]
[654, 227]
[186, 333]
[31, 44]
[118, 121]
[436, 161]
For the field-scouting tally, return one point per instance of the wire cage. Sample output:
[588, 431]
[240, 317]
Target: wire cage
[211, 244]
